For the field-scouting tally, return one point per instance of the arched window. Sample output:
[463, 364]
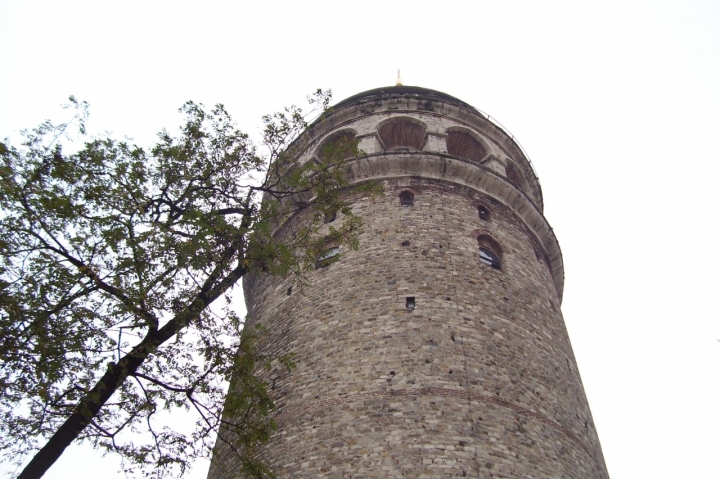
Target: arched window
[402, 134]
[465, 146]
[490, 252]
[341, 146]
[407, 198]
[330, 216]
[514, 176]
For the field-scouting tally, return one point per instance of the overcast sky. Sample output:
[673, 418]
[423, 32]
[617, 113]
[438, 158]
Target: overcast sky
[616, 103]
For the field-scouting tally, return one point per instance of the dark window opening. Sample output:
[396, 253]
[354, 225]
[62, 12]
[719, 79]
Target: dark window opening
[407, 199]
[465, 146]
[483, 212]
[490, 251]
[289, 291]
[340, 147]
[489, 258]
[330, 217]
[514, 176]
[405, 243]
[328, 257]
[402, 134]
[410, 302]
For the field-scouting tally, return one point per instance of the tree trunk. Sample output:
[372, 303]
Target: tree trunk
[94, 400]
[87, 409]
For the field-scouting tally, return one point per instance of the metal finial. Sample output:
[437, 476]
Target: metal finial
[399, 80]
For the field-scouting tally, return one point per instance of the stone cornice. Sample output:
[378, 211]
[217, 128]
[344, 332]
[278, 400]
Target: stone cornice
[348, 114]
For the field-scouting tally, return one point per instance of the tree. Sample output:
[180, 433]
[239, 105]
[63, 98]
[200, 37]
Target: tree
[110, 260]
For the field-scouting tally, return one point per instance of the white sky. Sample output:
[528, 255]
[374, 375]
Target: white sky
[617, 104]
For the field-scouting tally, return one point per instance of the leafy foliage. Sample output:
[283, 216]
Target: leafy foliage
[110, 258]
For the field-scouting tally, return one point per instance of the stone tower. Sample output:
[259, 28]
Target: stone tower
[438, 348]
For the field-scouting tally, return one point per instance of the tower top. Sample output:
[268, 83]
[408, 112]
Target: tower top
[403, 91]
[399, 80]
[445, 127]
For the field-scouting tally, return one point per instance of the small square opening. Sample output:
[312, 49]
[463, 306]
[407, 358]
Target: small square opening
[327, 257]
[410, 303]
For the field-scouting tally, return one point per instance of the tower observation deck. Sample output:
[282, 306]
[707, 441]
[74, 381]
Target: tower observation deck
[438, 348]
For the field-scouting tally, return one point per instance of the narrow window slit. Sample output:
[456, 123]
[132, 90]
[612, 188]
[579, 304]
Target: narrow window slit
[489, 258]
[490, 252]
[483, 212]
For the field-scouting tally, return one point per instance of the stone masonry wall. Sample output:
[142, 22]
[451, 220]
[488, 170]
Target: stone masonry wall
[479, 380]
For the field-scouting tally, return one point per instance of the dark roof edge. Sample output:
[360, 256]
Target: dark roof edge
[401, 91]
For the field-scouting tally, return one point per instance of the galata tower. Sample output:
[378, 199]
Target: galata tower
[438, 348]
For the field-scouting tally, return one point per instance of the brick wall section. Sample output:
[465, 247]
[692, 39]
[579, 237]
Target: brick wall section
[479, 380]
